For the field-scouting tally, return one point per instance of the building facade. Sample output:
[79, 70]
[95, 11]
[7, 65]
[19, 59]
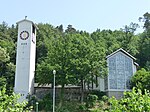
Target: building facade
[121, 67]
[25, 59]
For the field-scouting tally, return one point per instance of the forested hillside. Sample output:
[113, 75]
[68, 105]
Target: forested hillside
[77, 56]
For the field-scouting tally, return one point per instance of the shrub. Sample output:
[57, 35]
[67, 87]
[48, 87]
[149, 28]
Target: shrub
[133, 101]
[100, 94]
[71, 106]
[46, 103]
[83, 107]
[105, 98]
[9, 103]
[32, 99]
[101, 103]
[141, 79]
[91, 100]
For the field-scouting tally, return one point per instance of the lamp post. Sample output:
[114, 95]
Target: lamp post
[37, 106]
[54, 72]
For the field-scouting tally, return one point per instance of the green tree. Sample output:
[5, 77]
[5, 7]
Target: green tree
[58, 56]
[7, 39]
[7, 55]
[146, 20]
[70, 29]
[144, 54]
[7, 70]
[45, 32]
[108, 38]
[130, 41]
[141, 79]
[144, 46]
[73, 56]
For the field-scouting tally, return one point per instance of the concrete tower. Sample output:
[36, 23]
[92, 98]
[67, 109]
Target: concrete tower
[25, 59]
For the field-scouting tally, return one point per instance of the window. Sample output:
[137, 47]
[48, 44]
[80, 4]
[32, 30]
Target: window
[120, 71]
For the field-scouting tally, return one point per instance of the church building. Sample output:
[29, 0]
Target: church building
[121, 67]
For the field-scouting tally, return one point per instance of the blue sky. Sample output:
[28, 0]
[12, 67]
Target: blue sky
[85, 15]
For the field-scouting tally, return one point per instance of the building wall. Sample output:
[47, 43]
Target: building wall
[121, 68]
[25, 60]
[70, 93]
[116, 94]
[100, 86]
[120, 71]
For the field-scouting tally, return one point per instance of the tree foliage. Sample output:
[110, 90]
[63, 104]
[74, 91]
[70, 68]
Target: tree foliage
[7, 55]
[133, 101]
[9, 103]
[141, 79]
[74, 56]
[77, 56]
[144, 46]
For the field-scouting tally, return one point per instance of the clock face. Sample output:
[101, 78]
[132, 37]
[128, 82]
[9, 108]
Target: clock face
[24, 35]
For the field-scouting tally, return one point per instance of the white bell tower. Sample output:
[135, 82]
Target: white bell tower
[25, 59]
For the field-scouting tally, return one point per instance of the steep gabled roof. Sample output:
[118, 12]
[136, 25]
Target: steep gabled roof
[28, 21]
[123, 51]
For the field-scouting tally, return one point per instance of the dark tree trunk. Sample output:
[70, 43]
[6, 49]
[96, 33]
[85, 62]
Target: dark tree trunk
[82, 90]
[61, 97]
[92, 83]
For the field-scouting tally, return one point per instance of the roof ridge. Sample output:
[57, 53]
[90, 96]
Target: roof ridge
[121, 49]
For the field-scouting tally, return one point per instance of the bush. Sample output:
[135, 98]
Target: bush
[32, 99]
[100, 94]
[105, 98]
[82, 107]
[46, 103]
[101, 103]
[71, 106]
[133, 101]
[141, 79]
[91, 100]
[9, 103]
